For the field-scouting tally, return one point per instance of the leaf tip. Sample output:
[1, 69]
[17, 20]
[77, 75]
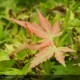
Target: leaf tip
[64, 64]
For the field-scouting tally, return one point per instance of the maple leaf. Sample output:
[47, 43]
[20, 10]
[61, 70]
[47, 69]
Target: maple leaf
[46, 47]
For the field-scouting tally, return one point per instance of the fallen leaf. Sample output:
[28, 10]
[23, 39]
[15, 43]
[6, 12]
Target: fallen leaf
[46, 47]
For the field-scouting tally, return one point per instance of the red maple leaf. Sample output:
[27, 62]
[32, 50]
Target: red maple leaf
[46, 47]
